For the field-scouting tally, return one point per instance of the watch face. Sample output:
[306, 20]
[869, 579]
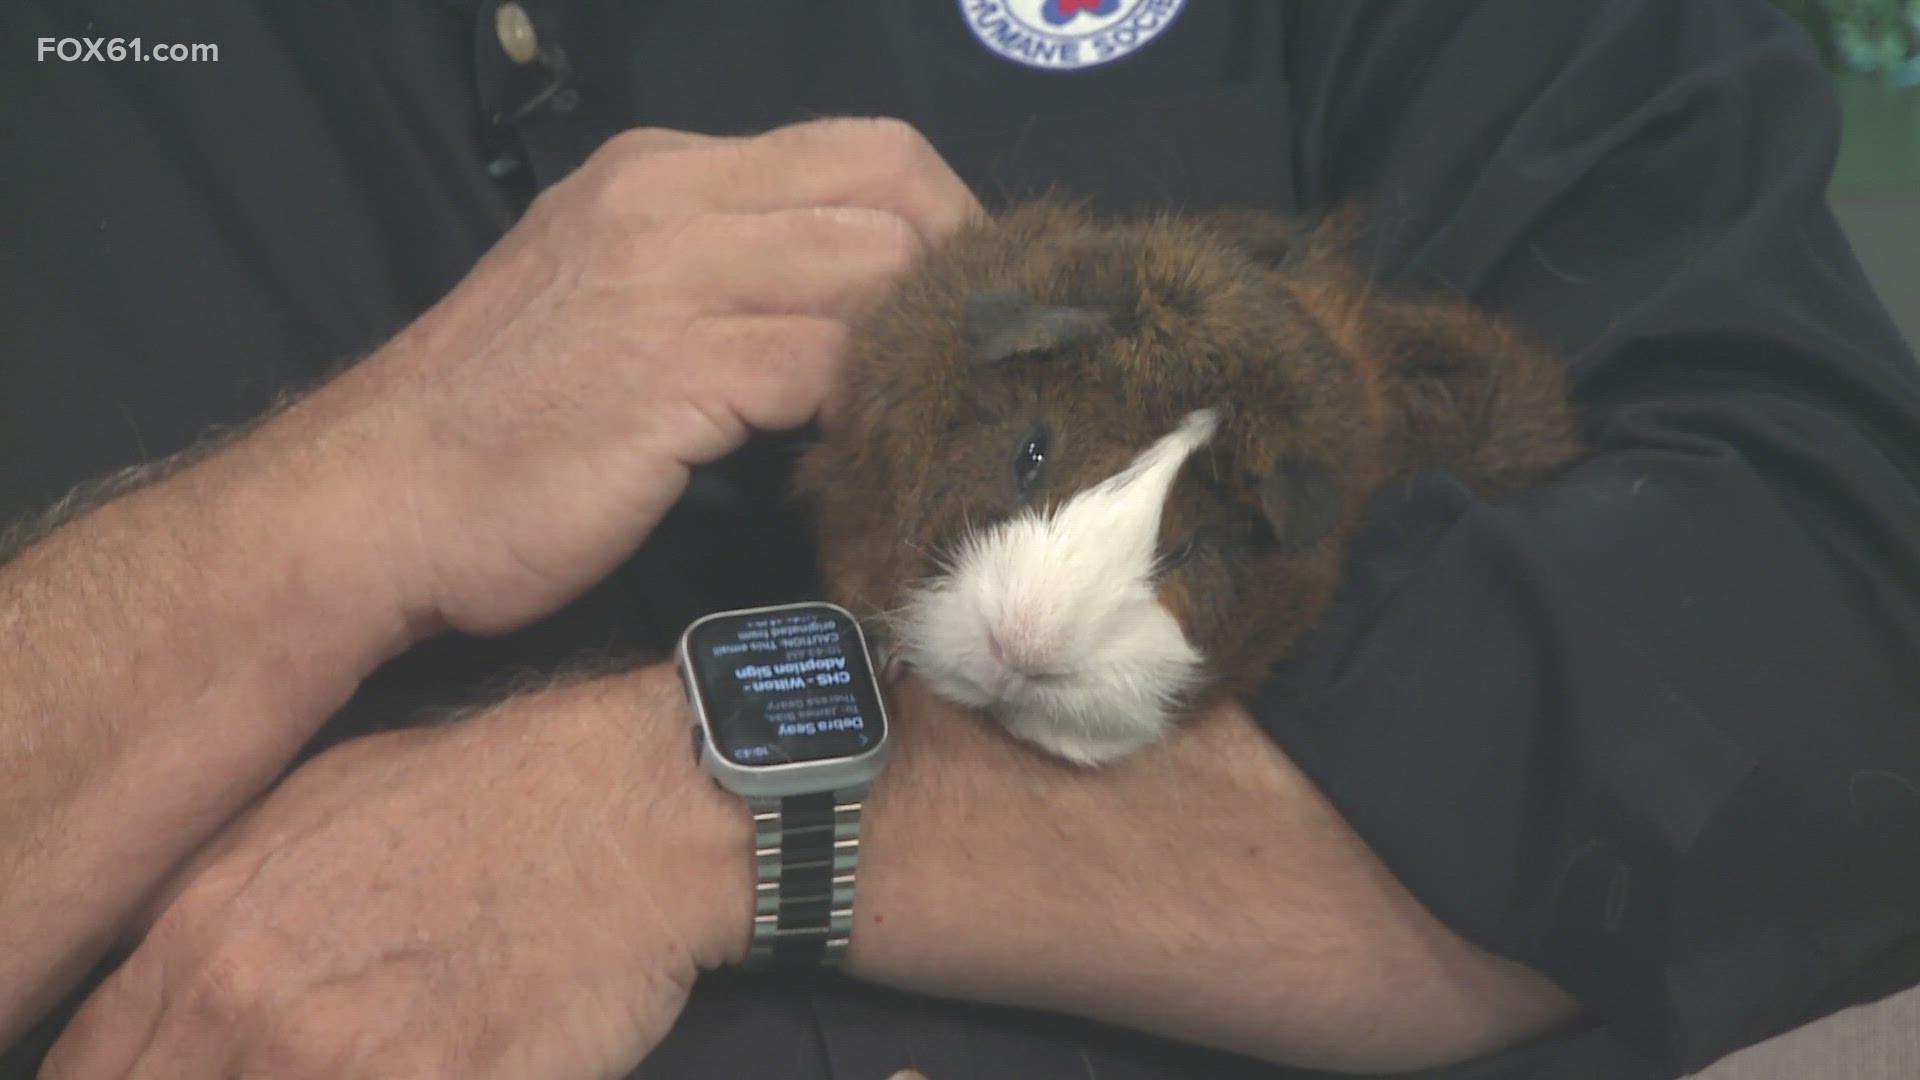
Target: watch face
[786, 685]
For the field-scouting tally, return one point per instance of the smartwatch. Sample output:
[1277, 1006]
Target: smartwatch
[787, 714]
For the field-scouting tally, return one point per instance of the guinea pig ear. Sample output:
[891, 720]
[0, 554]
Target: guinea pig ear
[1002, 325]
[1303, 501]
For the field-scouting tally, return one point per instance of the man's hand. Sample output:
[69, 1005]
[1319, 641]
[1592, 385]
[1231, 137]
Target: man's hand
[649, 312]
[531, 893]
[528, 893]
[1201, 889]
[167, 653]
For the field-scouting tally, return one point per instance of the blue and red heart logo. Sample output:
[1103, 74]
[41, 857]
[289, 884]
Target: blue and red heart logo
[1062, 12]
[1066, 35]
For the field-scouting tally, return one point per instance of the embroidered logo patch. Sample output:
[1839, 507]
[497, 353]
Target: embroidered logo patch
[1065, 35]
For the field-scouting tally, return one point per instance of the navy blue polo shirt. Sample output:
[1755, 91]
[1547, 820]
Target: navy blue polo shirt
[1653, 729]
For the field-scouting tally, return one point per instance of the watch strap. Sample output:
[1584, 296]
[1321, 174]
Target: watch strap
[805, 851]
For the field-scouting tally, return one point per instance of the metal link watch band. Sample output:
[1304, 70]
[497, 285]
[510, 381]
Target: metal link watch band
[805, 851]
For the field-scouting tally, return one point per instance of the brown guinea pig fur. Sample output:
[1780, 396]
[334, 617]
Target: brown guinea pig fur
[1096, 473]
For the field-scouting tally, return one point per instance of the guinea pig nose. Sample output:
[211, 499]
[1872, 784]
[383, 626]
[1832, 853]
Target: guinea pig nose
[1019, 652]
[996, 650]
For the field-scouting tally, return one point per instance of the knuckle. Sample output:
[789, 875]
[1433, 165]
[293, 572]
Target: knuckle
[898, 166]
[639, 142]
[583, 192]
[888, 240]
[612, 186]
[893, 138]
[616, 178]
[898, 151]
[876, 239]
[882, 144]
[900, 245]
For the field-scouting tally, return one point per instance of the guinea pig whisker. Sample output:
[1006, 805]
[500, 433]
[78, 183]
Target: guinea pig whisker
[944, 561]
[890, 617]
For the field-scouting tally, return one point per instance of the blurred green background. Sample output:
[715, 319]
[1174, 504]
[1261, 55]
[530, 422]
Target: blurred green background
[1877, 38]
[1880, 152]
[1873, 47]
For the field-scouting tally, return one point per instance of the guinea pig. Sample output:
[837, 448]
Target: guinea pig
[1096, 473]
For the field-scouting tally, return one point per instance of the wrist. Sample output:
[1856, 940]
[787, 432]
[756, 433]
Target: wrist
[689, 841]
[243, 579]
[344, 463]
[994, 805]
[296, 515]
[1300, 948]
[173, 648]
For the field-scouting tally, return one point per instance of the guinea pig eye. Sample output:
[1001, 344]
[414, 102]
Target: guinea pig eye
[1225, 541]
[1180, 556]
[1030, 459]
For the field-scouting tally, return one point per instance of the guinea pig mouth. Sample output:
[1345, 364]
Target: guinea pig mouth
[1007, 684]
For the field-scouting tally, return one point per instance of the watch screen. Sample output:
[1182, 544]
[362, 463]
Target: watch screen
[786, 685]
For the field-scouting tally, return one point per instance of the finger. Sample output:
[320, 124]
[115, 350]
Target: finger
[826, 261]
[897, 169]
[113, 1026]
[878, 164]
[834, 405]
[776, 373]
[765, 374]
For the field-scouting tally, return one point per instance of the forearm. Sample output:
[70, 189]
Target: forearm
[1201, 890]
[164, 656]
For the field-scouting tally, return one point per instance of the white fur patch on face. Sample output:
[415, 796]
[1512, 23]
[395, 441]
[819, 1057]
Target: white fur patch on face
[1049, 620]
